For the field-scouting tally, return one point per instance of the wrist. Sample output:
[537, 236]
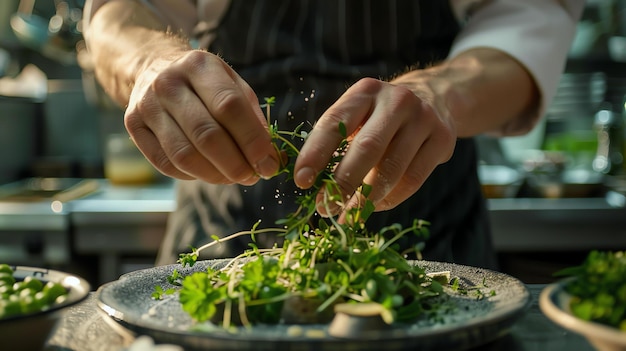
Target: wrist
[478, 91]
[124, 42]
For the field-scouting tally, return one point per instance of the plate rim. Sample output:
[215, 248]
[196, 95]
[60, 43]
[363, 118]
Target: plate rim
[509, 313]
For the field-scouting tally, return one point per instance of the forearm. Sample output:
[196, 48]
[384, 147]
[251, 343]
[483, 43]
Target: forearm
[124, 38]
[479, 90]
[536, 33]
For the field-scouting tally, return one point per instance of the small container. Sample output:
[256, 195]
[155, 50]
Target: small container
[124, 164]
[609, 157]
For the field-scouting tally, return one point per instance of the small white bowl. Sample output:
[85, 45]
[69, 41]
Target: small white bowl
[554, 303]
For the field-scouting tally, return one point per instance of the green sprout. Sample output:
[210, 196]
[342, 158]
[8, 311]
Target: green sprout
[321, 259]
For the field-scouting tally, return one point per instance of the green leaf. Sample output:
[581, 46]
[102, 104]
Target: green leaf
[174, 278]
[198, 296]
[270, 100]
[158, 293]
[367, 210]
[366, 190]
[342, 130]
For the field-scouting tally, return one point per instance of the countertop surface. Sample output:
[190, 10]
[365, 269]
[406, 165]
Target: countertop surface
[519, 224]
[84, 328]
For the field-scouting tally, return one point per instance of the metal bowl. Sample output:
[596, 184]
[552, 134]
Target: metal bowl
[569, 184]
[30, 331]
[499, 181]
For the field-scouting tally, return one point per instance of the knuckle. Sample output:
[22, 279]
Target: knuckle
[414, 178]
[183, 156]
[368, 84]
[166, 85]
[205, 134]
[136, 115]
[226, 100]
[328, 125]
[386, 204]
[195, 57]
[331, 119]
[391, 167]
[194, 63]
[163, 164]
[133, 120]
[399, 96]
[368, 142]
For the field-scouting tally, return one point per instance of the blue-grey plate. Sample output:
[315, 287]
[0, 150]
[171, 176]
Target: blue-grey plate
[128, 303]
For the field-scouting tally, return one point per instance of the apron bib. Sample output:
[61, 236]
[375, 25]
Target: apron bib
[306, 53]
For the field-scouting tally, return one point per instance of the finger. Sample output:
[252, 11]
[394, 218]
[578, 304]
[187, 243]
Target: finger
[168, 149]
[384, 177]
[365, 150]
[227, 100]
[326, 137]
[420, 168]
[208, 137]
[150, 147]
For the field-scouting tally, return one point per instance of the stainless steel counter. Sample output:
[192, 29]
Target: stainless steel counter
[34, 234]
[130, 220]
[117, 222]
[567, 224]
[121, 221]
[519, 224]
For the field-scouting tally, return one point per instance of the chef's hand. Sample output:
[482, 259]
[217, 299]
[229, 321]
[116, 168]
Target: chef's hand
[193, 117]
[396, 140]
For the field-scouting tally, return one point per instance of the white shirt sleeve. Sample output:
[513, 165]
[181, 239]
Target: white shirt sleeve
[537, 33]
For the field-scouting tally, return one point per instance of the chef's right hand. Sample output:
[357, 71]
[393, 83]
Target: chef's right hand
[194, 117]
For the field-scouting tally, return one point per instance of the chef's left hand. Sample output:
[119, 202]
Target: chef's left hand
[397, 138]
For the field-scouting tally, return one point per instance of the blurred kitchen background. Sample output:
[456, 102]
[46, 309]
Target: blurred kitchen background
[76, 195]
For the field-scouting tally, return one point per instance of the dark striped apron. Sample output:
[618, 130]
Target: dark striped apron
[306, 53]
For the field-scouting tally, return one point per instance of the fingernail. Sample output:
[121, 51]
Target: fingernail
[305, 177]
[267, 167]
[250, 180]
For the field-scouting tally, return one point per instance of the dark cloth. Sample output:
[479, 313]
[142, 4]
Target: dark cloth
[306, 53]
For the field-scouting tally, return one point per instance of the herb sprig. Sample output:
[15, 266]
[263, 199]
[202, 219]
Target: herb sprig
[598, 288]
[327, 261]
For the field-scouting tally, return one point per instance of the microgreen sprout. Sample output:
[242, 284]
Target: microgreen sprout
[477, 290]
[324, 260]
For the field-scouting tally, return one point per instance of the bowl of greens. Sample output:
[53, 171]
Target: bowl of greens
[591, 300]
[32, 301]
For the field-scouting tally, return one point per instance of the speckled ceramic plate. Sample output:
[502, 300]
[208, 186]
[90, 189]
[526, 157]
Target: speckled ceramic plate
[476, 322]
[554, 303]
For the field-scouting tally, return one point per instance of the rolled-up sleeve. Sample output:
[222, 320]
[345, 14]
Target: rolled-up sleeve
[537, 33]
